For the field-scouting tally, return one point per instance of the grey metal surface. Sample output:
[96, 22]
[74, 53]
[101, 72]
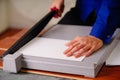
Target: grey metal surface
[12, 63]
[89, 67]
[67, 32]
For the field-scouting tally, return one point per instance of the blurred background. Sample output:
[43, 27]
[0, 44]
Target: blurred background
[25, 13]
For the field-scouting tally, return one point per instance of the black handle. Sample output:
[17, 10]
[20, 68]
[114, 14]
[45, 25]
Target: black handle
[30, 34]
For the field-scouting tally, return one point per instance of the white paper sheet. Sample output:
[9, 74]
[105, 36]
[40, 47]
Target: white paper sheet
[46, 47]
[114, 58]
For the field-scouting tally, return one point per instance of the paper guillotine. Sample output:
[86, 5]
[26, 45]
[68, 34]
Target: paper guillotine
[46, 52]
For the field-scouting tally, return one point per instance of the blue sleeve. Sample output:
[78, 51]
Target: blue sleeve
[105, 24]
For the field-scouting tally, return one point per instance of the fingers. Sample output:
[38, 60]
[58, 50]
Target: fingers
[90, 52]
[78, 50]
[82, 51]
[83, 46]
[72, 42]
[69, 52]
[75, 48]
[58, 6]
[57, 12]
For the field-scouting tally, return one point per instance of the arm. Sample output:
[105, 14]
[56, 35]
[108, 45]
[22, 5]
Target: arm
[101, 32]
[107, 20]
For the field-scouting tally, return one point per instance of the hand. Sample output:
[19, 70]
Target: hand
[84, 45]
[58, 5]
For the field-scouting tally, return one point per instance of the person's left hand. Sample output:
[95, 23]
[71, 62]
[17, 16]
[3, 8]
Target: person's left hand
[84, 45]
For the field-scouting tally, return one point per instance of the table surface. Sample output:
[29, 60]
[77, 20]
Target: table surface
[10, 36]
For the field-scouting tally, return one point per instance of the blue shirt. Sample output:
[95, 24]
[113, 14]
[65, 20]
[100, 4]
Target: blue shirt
[108, 16]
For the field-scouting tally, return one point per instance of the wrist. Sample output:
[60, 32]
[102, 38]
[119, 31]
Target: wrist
[93, 37]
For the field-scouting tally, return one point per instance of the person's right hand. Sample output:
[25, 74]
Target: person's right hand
[57, 5]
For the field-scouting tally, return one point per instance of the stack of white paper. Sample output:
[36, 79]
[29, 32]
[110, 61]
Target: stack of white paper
[48, 48]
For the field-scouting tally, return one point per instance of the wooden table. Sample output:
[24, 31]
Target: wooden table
[10, 36]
